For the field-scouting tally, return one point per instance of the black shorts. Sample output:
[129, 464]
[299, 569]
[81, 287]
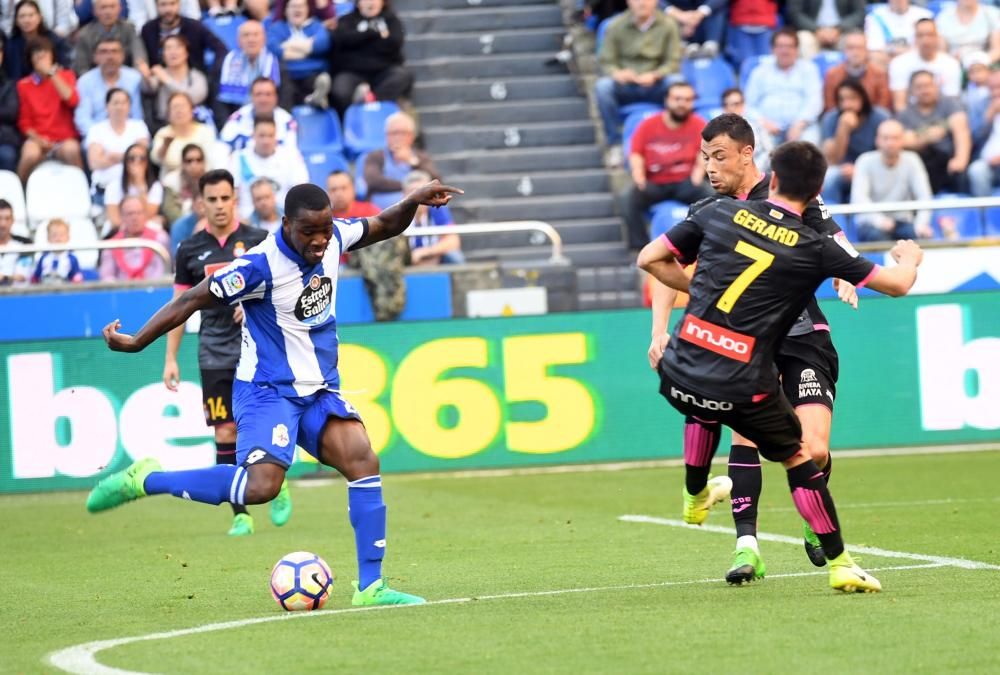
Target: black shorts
[809, 367]
[217, 396]
[770, 423]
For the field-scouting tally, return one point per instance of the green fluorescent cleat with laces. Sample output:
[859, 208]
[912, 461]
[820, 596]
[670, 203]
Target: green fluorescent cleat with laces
[379, 593]
[747, 566]
[242, 525]
[814, 549]
[281, 506]
[123, 486]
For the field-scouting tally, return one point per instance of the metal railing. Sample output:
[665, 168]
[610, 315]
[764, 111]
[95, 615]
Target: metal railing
[493, 228]
[100, 245]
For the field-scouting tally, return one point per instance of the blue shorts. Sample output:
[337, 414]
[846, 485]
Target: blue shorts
[269, 426]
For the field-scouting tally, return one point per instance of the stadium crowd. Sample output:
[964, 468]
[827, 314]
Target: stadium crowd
[142, 97]
[902, 98]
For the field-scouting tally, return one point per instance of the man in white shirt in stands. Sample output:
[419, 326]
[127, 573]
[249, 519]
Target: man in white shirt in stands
[238, 129]
[927, 56]
[889, 29]
[264, 158]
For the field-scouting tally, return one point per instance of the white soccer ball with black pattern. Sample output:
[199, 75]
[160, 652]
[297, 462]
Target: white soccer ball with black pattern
[301, 580]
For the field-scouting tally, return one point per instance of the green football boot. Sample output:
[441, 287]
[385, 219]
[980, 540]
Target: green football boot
[242, 525]
[379, 593]
[814, 549]
[747, 566]
[123, 486]
[696, 507]
[281, 506]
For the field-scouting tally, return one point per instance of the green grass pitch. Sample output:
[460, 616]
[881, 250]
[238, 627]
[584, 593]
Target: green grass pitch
[643, 598]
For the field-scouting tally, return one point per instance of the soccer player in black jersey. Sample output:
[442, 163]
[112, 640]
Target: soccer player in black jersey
[223, 240]
[807, 360]
[759, 266]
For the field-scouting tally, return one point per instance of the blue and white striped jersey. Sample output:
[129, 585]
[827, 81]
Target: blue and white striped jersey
[290, 324]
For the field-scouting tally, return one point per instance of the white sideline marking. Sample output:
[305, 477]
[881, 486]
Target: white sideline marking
[720, 459]
[79, 659]
[783, 539]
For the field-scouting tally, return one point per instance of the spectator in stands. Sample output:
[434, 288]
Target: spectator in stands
[141, 12]
[443, 249]
[180, 187]
[385, 169]
[976, 97]
[890, 28]
[266, 212]
[170, 22]
[322, 10]
[176, 74]
[57, 267]
[381, 265]
[937, 129]
[137, 179]
[109, 24]
[10, 137]
[95, 84]
[108, 140]
[787, 91]
[243, 65]
[28, 24]
[848, 131]
[664, 162]
[702, 25]
[15, 268]
[969, 26]
[734, 102]
[58, 15]
[182, 130]
[264, 158]
[751, 27]
[369, 56]
[984, 173]
[891, 174]
[238, 129]
[928, 56]
[303, 42]
[821, 23]
[45, 117]
[641, 51]
[133, 264]
[857, 66]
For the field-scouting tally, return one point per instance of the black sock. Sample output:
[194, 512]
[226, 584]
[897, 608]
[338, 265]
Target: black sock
[828, 469]
[225, 453]
[815, 505]
[744, 471]
[701, 440]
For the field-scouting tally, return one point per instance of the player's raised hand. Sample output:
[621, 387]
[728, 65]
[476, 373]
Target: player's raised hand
[118, 342]
[656, 348]
[435, 194]
[847, 292]
[907, 250]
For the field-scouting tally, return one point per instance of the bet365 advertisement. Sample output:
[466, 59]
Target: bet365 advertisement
[480, 393]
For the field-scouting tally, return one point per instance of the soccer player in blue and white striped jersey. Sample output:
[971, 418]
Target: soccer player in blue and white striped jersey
[286, 391]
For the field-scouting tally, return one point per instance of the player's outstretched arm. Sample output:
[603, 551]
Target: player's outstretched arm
[897, 281]
[393, 220]
[171, 315]
[657, 259]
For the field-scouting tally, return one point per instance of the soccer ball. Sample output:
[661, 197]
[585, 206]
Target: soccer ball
[301, 580]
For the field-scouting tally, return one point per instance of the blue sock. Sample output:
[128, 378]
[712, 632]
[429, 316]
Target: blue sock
[214, 485]
[367, 512]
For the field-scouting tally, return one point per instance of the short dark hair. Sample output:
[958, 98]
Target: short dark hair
[679, 83]
[214, 177]
[338, 172]
[926, 19]
[800, 168]
[179, 38]
[39, 43]
[113, 91]
[305, 197]
[732, 125]
[5, 205]
[786, 31]
[263, 79]
[109, 38]
[859, 90]
[264, 119]
[920, 73]
[729, 92]
[192, 146]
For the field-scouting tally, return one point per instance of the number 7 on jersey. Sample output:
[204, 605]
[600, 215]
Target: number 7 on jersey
[761, 261]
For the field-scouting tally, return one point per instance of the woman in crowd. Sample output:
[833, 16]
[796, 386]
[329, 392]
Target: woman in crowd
[108, 141]
[182, 129]
[180, 187]
[137, 180]
[303, 42]
[970, 26]
[28, 23]
[175, 75]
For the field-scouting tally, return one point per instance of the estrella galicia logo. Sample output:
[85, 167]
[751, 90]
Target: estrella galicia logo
[313, 306]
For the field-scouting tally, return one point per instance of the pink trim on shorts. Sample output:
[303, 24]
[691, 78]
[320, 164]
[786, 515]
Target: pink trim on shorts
[821, 326]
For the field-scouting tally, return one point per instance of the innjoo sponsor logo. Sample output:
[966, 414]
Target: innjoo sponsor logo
[705, 403]
[717, 339]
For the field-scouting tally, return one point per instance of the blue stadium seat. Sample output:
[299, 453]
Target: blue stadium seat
[225, 28]
[630, 109]
[665, 215]
[318, 129]
[632, 123]
[748, 65]
[320, 163]
[360, 185]
[969, 222]
[993, 218]
[364, 126]
[343, 8]
[709, 77]
[826, 60]
[935, 6]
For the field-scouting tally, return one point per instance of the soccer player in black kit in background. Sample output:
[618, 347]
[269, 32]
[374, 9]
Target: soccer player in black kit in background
[223, 240]
[807, 359]
[758, 267]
